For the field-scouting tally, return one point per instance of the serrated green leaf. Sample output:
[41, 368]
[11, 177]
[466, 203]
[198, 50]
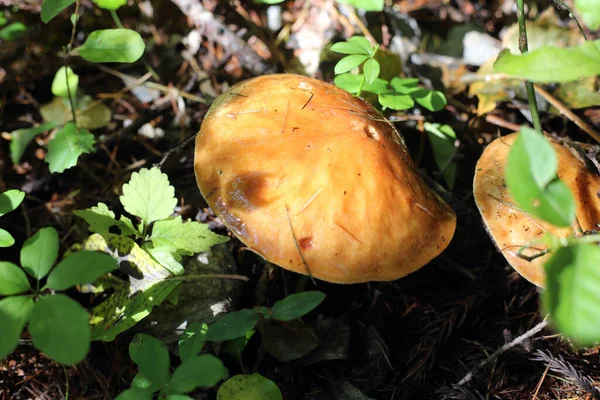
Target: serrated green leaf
[552, 64]
[371, 70]
[296, 305]
[152, 358]
[99, 218]
[78, 268]
[396, 101]
[59, 327]
[442, 139]
[65, 81]
[15, 312]
[149, 195]
[165, 256]
[66, 147]
[351, 83]
[10, 200]
[348, 63]
[249, 387]
[21, 138]
[39, 252]
[192, 340]
[51, 8]
[199, 371]
[110, 4]
[126, 227]
[186, 238]
[113, 45]
[367, 5]
[6, 239]
[572, 296]
[12, 279]
[350, 48]
[590, 13]
[233, 325]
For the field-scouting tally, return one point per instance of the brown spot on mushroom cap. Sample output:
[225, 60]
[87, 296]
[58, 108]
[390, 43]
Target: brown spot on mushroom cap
[312, 171]
[511, 228]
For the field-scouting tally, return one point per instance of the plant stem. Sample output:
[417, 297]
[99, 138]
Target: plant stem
[560, 3]
[66, 56]
[535, 115]
[360, 87]
[115, 18]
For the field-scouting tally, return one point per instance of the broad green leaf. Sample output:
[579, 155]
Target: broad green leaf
[590, 13]
[64, 82]
[199, 371]
[288, 341]
[149, 195]
[351, 83]
[141, 382]
[39, 252]
[296, 305]
[51, 8]
[91, 114]
[367, 5]
[396, 101]
[350, 48]
[249, 387]
[187, 237]
[178, 397]
[12, 279]
[14, 315]
[371, 70]
[192, 340]
[113, 45]
[21, 137]
[59, 327]
[152, 358]
[110, 4]
[6, 239]
[552, 64]
[362, 42]
[78, 268]
[99, 218]
[572, 296]
[404, 85]
[10, 200]
[442, 139]
[525, 170]
[165, 256]
[126, 227]
[233, 325]
[348, 63]
[430, 99]
[66, 147]
[581, 93]
[135, 394]
[13, 31]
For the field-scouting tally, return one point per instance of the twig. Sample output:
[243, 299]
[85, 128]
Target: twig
[515, 342]
[496, 120]
[560, 3]
[568, 113]
[535, 115]
[174, 150]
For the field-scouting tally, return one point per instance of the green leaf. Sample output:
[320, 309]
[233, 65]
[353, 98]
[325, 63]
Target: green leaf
[65, 81]
[39, 252]
[362, 42]
[135, 394]
[6, 239]
[66, 147]
[404, 85]
[531, 164]
[149, 195]
[367, 5]
[13, 31]
[590, 13]
[572, 296]
[113, 45]
[165, 256]
[249, 387]
[192, 340]
[141, 382]
[91, 114]
[10, 200]
[12, 279]
[179, 397]
[233, 325]
[351, 83]
[430, 99]
[59, 327]
[14, 315]
[110, 4]
[51, 8]
[442, 139]
[552, 64]
[371, 70]
[78, 268]
[99, 218]
[348, 63]
[186, 238]
[351, 48]
[296, 305]
[21, 137]
[396, 101]
[199, 371]
[152, 358]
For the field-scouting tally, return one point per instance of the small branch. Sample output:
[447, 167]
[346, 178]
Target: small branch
[564, 5]
[515, 342]
[174, 150]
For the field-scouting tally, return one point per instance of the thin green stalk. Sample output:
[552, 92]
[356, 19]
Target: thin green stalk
[360, 87]
[116, 18]
[67, 54]
[535, 115]
[572, 16]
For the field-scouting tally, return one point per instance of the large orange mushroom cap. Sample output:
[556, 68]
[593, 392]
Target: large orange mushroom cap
[318, 182]
[512, 228]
